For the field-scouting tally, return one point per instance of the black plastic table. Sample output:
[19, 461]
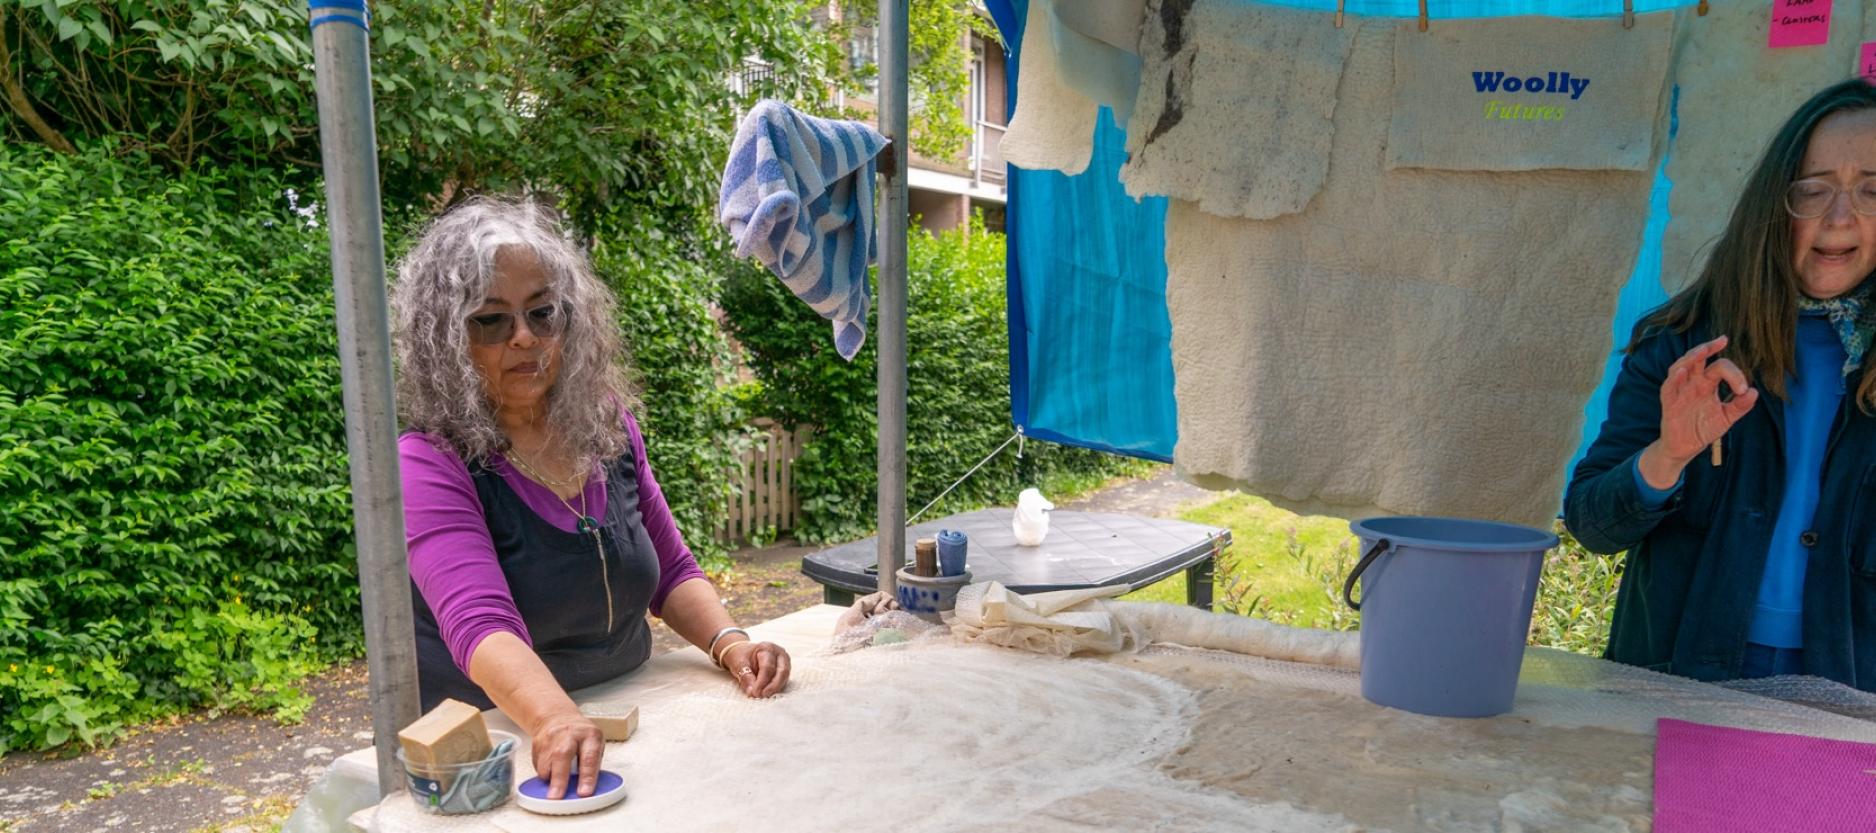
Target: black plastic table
[1082, 549]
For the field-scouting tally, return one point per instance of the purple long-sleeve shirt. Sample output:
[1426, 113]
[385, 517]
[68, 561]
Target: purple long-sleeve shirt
[452, 557]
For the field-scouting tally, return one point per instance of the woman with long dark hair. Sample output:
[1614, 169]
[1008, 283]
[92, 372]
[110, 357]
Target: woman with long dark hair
[1738, 461]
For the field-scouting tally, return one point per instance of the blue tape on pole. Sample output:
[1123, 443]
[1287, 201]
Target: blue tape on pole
[362, 20]
[339, 18]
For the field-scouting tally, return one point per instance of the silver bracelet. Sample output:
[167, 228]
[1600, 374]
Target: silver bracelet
[711, 651]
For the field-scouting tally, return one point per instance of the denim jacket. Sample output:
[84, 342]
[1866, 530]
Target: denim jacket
[1694, 564]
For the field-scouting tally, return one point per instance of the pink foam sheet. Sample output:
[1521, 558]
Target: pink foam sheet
[1715, 779]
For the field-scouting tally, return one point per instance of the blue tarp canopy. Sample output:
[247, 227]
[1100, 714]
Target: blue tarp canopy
[1090, 338]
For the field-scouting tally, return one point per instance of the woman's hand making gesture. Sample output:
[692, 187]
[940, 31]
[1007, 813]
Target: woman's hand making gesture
[1693, 416]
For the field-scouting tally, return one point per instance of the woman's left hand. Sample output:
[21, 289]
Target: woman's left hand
[761, 668]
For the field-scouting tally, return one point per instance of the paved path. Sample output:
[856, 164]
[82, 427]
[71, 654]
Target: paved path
[1160, 496]
[244, 774]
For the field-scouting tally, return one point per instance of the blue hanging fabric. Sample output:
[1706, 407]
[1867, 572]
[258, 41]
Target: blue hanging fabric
[1090, 337]
[1641, 294]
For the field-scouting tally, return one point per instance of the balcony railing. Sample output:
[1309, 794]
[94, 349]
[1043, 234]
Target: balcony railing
[987, 153]
[752, 77]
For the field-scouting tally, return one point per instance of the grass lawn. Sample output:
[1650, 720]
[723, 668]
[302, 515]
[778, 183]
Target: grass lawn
[1288, 568]
[1278, 567]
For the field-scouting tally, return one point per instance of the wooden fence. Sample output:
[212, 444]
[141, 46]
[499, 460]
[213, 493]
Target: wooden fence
[765, 504]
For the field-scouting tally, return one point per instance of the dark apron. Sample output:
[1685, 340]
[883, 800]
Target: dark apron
[555, 578]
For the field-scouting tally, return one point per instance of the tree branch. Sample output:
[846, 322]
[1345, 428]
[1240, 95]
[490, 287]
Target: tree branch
[186, 122]
[23, 106]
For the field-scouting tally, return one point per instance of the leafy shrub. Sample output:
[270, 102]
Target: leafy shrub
[1576, 597]
[957, 402]
[682, 360]
[609, 104]
[174, 520]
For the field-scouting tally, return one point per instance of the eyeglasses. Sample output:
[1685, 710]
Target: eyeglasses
[1808, 199]
[544, 321]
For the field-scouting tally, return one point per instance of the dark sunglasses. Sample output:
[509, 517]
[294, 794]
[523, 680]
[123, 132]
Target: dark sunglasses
[544, 321]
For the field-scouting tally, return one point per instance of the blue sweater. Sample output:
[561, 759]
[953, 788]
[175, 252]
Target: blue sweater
[1813, 396]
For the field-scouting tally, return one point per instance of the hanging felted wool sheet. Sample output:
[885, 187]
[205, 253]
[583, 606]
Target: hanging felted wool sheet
[1735, 92]
[1416, 341]
[1095, 48]
[1053, 127]
[1236, 106]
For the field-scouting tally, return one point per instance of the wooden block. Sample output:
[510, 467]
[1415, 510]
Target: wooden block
[452, 733]
[616, 720]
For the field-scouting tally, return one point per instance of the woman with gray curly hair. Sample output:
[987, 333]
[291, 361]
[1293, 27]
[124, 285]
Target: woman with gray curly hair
[538, 537]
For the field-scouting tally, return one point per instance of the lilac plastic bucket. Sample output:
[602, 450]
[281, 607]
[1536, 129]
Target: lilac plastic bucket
[1445, 610]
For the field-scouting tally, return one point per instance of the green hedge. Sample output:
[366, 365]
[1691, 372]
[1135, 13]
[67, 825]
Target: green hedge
[174, 518]
[957, 403]
[681, 360]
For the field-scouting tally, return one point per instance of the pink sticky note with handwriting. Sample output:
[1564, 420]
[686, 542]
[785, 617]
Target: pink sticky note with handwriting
[1799, 23]
[1866, 62]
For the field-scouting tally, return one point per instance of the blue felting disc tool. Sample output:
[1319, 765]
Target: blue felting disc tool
[532, 796]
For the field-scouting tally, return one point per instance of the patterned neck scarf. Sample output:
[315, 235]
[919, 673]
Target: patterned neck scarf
[1845, 314]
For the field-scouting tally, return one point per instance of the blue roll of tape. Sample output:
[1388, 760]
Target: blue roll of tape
[952, 547]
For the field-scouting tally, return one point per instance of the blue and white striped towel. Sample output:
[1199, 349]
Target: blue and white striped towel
[798, 196]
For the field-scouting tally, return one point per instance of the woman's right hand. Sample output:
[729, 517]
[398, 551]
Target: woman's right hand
[1692, 415]
[559, 741]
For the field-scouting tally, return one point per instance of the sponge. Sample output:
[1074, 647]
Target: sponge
[451, 733]
[616, 720]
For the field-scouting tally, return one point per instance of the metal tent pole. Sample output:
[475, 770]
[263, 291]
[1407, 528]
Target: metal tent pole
[896, 211]
[349, 150]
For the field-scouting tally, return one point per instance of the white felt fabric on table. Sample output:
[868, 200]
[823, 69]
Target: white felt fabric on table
[1165, 624]
[1236, 107]
[976, 738]
[1734, 94]
[1059, 623]
[971, 738]
[944, 737]
[1289, 335]
[1082, 622]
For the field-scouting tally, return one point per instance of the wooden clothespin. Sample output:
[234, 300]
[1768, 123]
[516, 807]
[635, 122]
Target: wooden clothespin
[1423, 15]
[1702, 10]
[1338, 12]
[1628, 14]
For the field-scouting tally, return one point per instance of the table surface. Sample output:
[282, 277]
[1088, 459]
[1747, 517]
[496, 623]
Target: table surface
[1082, 549]
[670, 681]
[803, 633]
